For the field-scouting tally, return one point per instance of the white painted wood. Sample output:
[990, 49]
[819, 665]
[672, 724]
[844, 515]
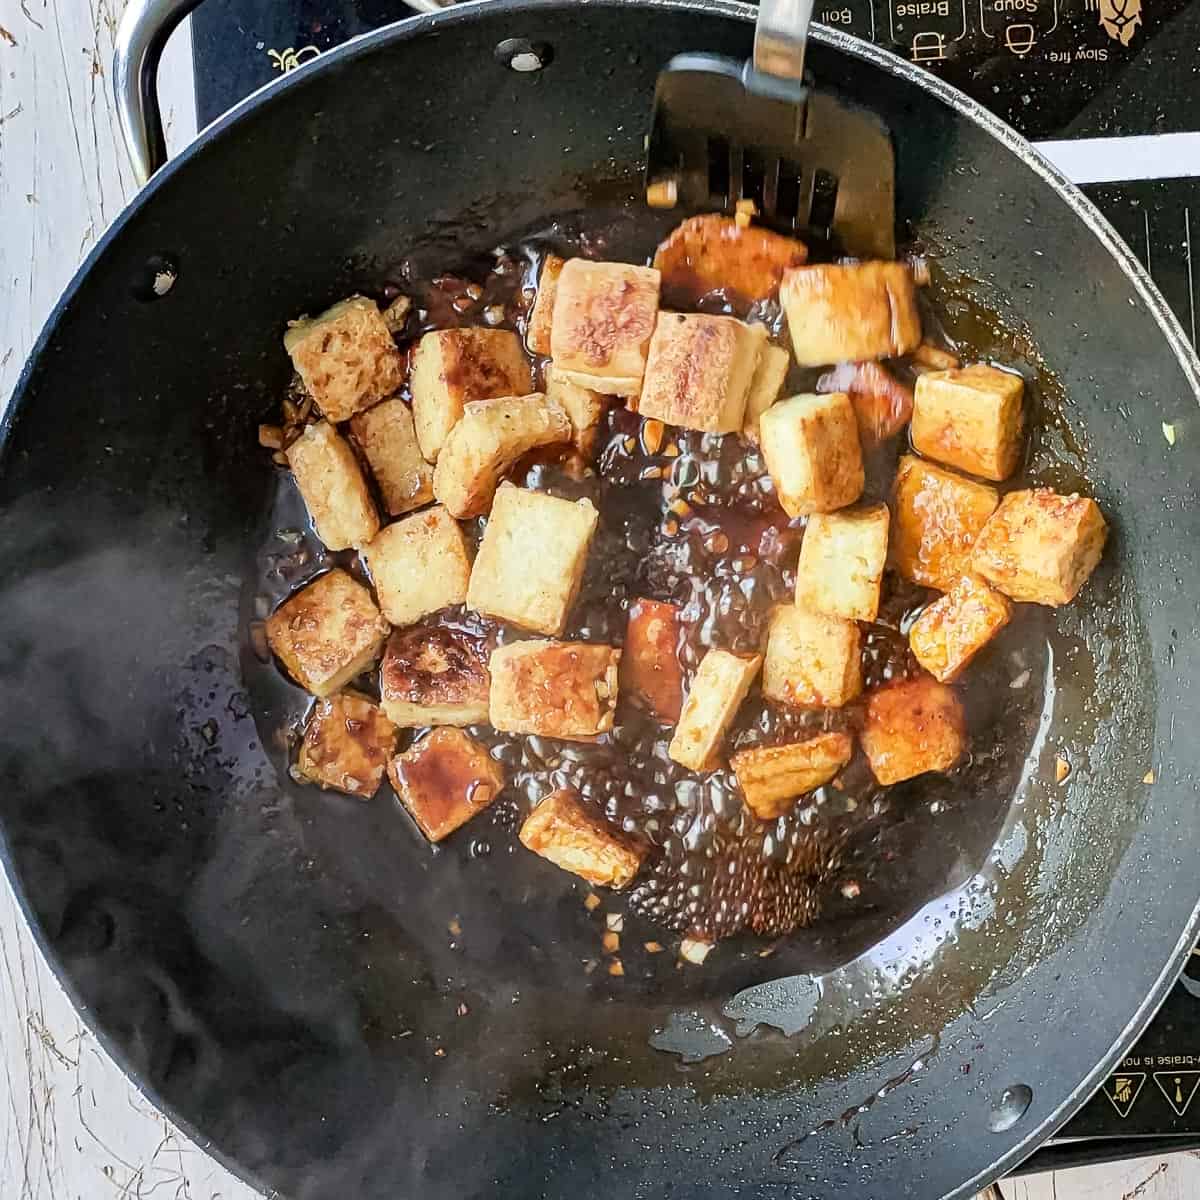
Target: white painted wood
[1166, 1177]
[73, 1127]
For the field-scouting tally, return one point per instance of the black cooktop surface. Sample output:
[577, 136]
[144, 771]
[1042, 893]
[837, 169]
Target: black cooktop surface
[1052, 68]
[1066, 71]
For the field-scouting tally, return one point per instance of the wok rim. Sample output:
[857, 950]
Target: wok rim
[959, 102]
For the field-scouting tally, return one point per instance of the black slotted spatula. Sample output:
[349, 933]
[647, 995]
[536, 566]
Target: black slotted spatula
[725, 131]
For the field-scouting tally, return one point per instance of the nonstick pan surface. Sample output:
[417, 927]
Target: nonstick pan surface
[275, 966]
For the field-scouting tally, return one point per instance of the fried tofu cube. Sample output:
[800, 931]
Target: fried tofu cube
[489, 437]
[851, 313]
[452, 367]
[444, 780]
[584, 408]
[765, 387]
[604, 317]
[719, 686]
[772, 777]
[1040, 546]
[346, 357]
[711, 253]
[810, 444]
[577, 838]
[418, 565]
[970, 418]
[347, 744]
[435, 674]
[388, 440]
[327, 633]
[841, 562]
[541, 316]
[332, 485]
[554, 689]
[811, 660]
[651, 674]
[913, 726]
[531, 559]
[882, 404]
[955, 627]
[699, 371]
[936, 517]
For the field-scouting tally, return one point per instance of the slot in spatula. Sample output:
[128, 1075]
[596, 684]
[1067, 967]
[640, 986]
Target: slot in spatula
[725, 131]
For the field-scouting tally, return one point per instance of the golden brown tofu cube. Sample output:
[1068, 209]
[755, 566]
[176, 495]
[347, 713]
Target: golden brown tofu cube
[347, 744]
[841, 562]
[970, 418]
[850, 313]
[699, 371]
[388, 440]
[584, 408]
[810, 444]
[488, 439]
[327, 633]
[954, 628]
[334, 490]
[713, 253]
[913, 726]
[718, 688]
[812, 661]
[882, 404]
[435, 675]
[936, 517]
[452, 367]
[418, 565]
[765, 387]
[603, 319]
[531, 559]
[444, 780]
[651, 675]
[1040, 546]
[772, 777]
[575, 837]
[541, 316]
[346, 357]
[555, 689]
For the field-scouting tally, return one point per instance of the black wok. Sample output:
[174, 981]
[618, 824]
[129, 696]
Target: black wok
[273, 965]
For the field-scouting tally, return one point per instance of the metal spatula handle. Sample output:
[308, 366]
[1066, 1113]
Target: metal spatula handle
[780, 36]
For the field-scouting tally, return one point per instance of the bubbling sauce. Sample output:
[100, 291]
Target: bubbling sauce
[692, 519]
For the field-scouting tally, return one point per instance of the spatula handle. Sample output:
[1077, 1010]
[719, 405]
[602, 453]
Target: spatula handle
[780, 37]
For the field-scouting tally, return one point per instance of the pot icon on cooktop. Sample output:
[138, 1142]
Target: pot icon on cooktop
[928, 46]
[1019, 39]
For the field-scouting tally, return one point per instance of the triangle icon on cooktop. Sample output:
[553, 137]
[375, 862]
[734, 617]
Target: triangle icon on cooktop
[1179, 1087]
[1122, 1089]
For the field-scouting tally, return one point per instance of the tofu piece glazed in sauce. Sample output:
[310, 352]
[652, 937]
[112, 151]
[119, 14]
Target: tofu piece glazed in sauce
[690, 565]
[453, 367]
[346, 357]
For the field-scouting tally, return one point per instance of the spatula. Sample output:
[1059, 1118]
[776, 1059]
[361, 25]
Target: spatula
[726, 131]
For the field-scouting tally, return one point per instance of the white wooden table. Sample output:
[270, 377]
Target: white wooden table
[72, 1127]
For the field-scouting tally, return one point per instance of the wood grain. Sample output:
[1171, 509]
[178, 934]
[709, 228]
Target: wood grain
[73, 1127]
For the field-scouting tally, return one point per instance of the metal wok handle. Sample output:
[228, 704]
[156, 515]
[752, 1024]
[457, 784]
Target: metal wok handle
[143, 32]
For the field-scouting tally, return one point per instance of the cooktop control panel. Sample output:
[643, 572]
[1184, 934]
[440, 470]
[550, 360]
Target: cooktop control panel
[1052, 68]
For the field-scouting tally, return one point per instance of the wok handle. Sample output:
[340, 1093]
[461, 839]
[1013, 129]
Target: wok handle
[143, 32]
[780, 37]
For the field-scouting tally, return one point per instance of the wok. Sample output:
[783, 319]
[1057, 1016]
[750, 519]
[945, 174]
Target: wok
[273, 965]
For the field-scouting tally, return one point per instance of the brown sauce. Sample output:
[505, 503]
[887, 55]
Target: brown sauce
[691, 520]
